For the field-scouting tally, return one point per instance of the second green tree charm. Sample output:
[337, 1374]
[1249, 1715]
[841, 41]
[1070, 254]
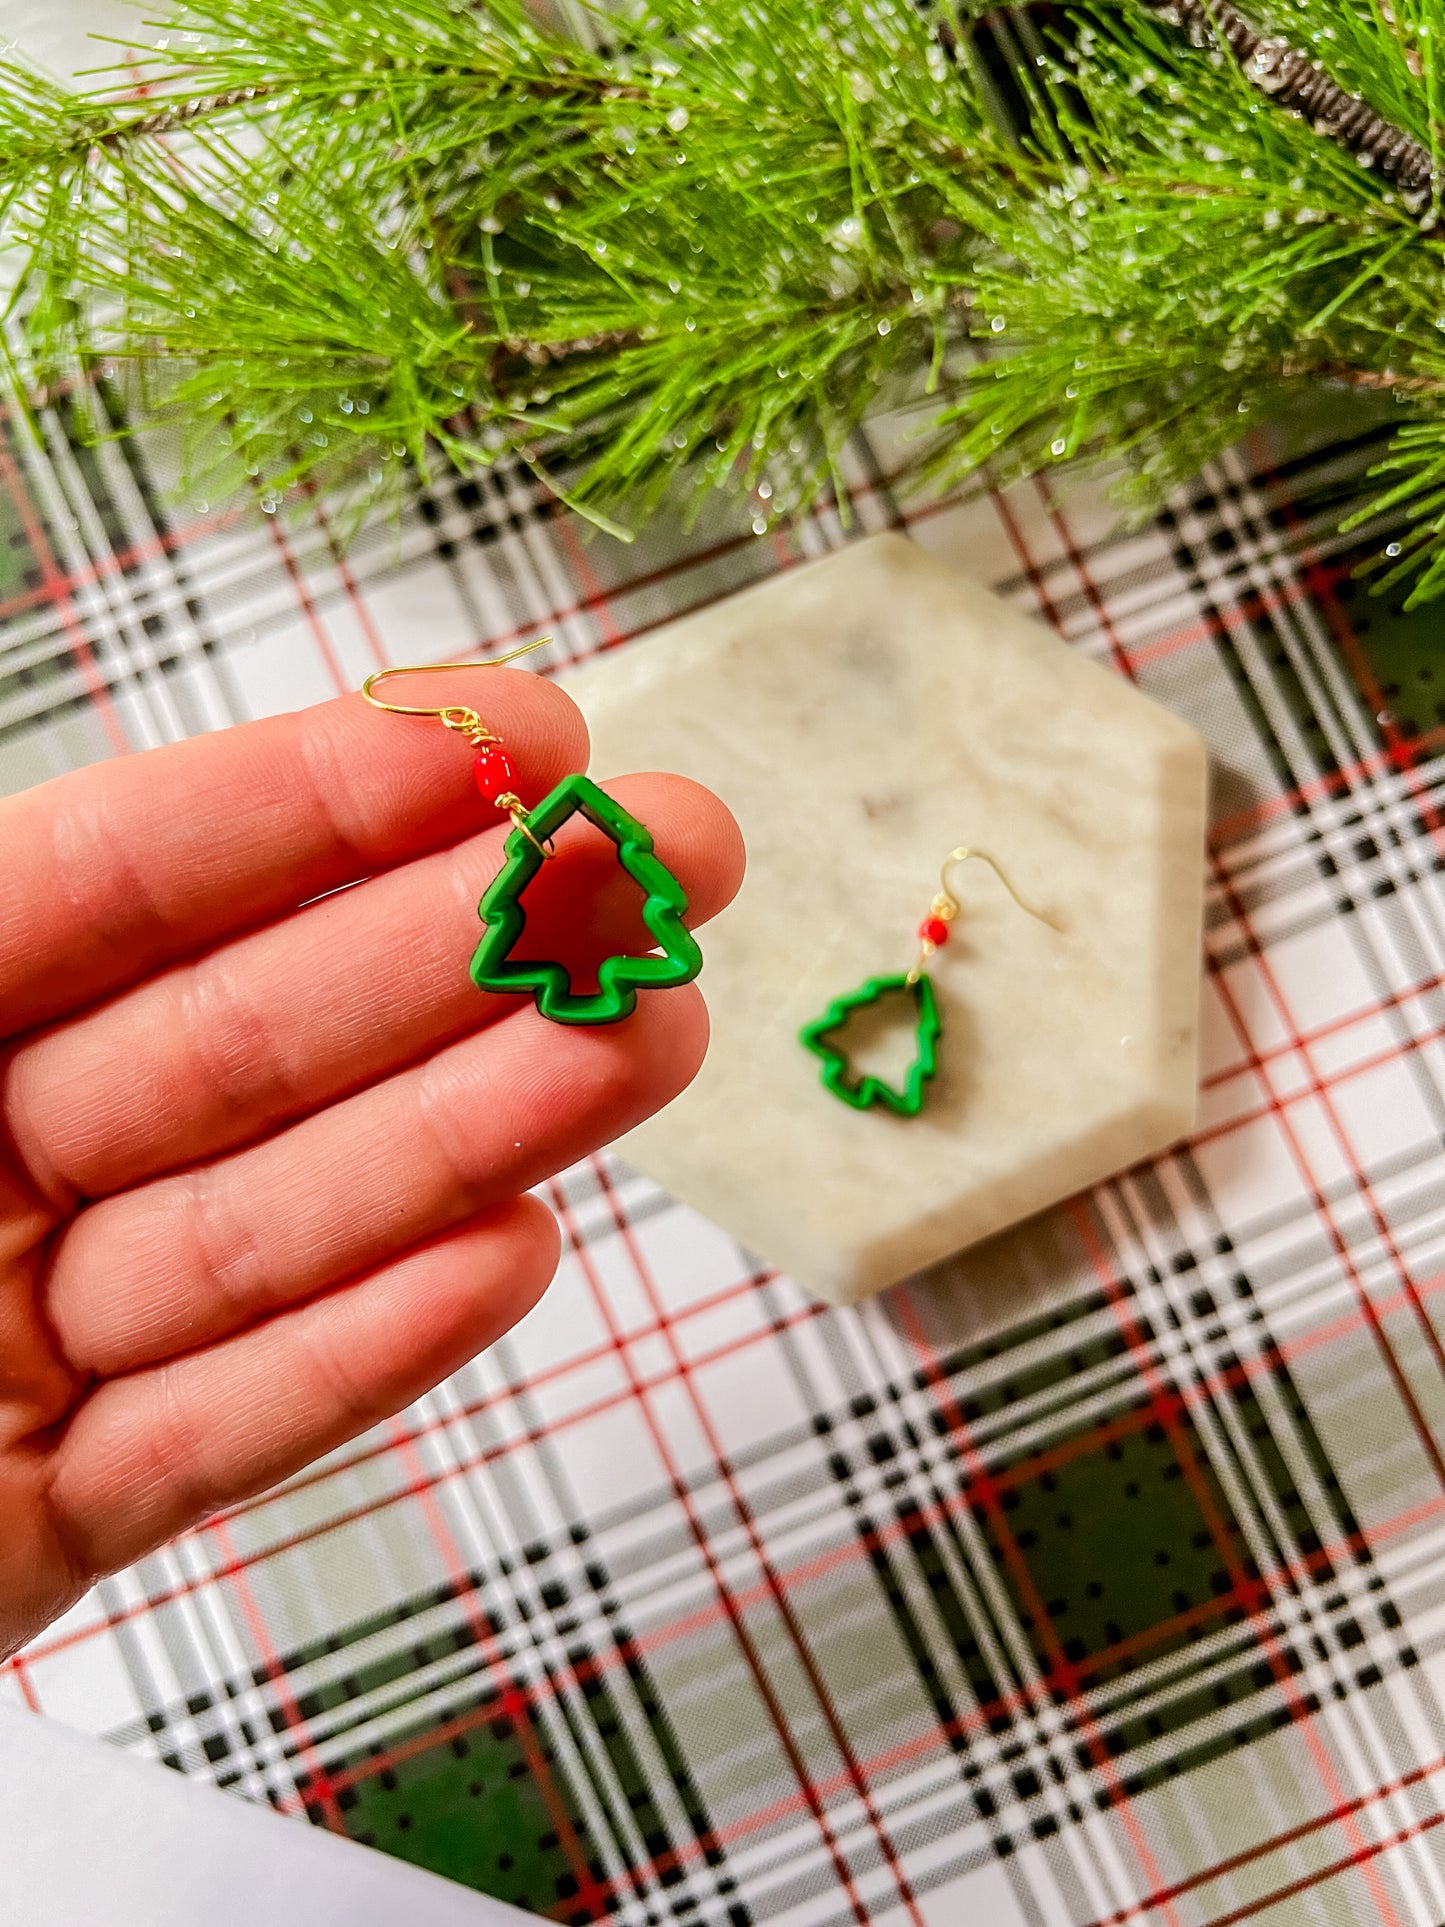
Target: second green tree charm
[860, 1091]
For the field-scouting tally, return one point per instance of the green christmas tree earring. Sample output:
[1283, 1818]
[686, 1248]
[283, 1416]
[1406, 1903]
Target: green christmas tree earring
[619, 978]
[818, 1037]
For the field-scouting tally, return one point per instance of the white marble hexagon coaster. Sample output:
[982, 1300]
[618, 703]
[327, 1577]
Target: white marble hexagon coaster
[862, 716]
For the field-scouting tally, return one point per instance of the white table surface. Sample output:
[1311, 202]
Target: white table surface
[92, 1838]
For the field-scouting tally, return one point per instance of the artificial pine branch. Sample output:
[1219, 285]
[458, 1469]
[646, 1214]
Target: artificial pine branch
[335, 241]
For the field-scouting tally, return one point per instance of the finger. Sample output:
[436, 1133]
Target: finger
[149, 1454]
[115, 869]
[183, 1261]
[296, 1015]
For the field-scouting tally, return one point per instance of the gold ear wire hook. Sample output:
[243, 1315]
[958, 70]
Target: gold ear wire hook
[946, 906]
[459, 717]
[945, 897]
[448, 711]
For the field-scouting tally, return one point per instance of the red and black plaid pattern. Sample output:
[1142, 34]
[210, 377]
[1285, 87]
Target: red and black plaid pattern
[1093, 1578]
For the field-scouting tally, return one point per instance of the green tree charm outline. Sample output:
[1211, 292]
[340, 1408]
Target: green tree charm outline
[864, 1091]
[619, 978]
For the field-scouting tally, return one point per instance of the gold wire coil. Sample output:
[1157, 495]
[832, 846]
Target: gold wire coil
[461, 718]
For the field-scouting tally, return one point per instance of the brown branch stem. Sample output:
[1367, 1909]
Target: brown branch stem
[173, 120]
[1300, 85]
[170, 120]
[1381, 381]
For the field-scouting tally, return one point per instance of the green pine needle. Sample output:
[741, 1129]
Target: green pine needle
[328, 240]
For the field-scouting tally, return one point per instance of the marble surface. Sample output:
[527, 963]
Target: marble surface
[862, 716]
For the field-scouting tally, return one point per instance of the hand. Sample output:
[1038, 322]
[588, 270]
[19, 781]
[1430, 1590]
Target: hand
[262, 1167]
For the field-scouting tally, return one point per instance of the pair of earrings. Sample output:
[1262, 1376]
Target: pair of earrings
[619, 978]
[529, 846]
[819, 1037]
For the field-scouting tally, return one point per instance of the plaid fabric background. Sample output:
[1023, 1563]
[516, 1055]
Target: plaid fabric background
[1093, 1579]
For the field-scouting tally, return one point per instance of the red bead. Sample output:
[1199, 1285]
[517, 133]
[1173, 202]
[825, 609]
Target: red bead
[933, 930]
[494, 772]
